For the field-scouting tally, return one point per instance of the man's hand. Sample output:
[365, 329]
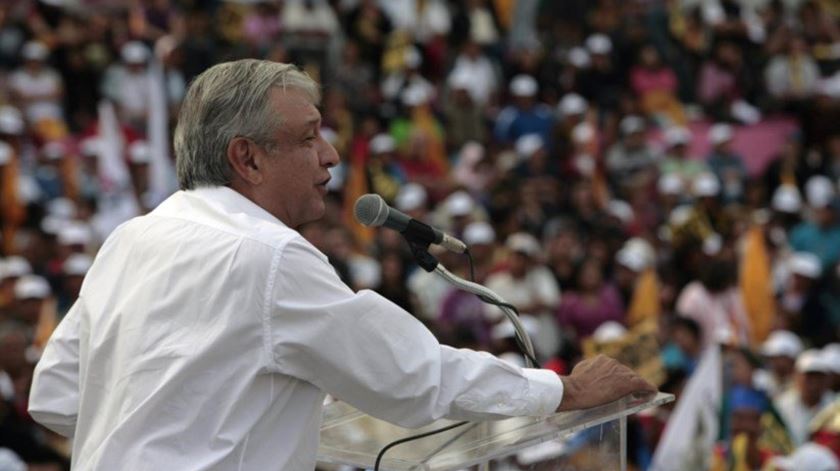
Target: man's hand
[598, 381]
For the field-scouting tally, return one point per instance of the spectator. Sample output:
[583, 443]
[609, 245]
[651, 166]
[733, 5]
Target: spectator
[632, 161]
[529, 285]
[38, 90]
[677, 160]
[526, 115]
[590, 302]
[821, 235]
[780, 350]
[656, 85]
[810, 394]
[727, 166]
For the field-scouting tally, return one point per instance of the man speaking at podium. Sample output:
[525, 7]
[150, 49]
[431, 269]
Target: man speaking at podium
[208, 332]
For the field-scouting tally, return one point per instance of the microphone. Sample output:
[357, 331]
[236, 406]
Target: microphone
[372, 211]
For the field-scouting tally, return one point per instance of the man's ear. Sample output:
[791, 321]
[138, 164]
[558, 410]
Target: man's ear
[244, 160]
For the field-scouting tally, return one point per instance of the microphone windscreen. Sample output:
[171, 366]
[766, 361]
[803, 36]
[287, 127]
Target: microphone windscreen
[370, 210]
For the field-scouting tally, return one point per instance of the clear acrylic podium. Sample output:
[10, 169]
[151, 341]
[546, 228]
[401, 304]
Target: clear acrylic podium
[591, 439]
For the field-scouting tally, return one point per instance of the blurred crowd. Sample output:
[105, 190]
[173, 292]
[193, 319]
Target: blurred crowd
[616, 167]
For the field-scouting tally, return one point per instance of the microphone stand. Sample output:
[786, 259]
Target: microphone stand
[428, 262]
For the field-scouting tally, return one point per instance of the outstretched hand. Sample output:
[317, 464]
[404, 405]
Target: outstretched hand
[598, 381]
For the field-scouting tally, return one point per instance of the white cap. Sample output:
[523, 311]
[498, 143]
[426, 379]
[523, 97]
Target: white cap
[90, 146]
[32, 286]
[415, 95]
[382, 143]
[831, 353]
[670, 184]
[810, 456]
[74, 233]
[34, 51]
[805, 264]
[412, 57]
[527, 145]
[631, 125]
[782, 343]
[706, 184]
[631, 258]
[522, 242]
[505, 329]
[720, 133]
[11, 121]
[786, 199]
[599, 44]
[6, 153]
[459, 203]
[819, 190]
[583, 133]
[52, 224]
[63, 208]
[621, 210]
[579, 57]
[139, 152]
[677, 135]
[460, 79]
[54, 150]
[16, 266]
[609, 331]
[479, 232]
[812, 361]
[77, 264]
[10, 461]
[712, 244]
[572, 104]
[134, 52]
[523, 85]
[410, 197]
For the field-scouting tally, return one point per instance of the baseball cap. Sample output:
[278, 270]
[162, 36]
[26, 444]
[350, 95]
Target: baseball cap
[459, 203]
[677, 135]
[572, 104]
[16, 266]
[32, 287]
[670, 184]
[720, 133]
[805, 264]
[782, 343]
[524, 243]
[479, 232]
[812, 361]
[77, 264]
[599, 44]
[134, 52]
[810, 457]
[786, 199]
[523, 86]
[410, 197]
[75, 233]
[11, 121]
[528, 144]
[819, 190]
[631, 125]
[706, 184]
[831, 353]
[382, 143]
[609, 331]
[34, 51]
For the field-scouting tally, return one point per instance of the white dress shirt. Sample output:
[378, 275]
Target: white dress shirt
[207, 334]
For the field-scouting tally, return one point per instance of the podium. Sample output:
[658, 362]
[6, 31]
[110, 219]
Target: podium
[590, 439]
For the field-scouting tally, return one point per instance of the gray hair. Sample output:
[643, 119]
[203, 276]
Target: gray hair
[226, 101]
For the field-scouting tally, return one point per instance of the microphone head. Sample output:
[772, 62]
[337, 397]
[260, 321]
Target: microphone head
[370, 210]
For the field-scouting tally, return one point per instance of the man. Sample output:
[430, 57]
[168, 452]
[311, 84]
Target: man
[208, 332]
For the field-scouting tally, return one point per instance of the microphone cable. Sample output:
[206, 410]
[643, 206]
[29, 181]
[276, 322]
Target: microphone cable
[447, 428]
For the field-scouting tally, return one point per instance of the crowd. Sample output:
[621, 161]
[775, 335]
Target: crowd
[669, 167]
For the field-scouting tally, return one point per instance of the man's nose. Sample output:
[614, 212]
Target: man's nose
[329, 156]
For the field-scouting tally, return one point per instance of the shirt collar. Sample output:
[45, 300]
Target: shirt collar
[233, 202]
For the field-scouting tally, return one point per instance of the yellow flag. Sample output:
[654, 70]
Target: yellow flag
[756, 285]
[644, 303]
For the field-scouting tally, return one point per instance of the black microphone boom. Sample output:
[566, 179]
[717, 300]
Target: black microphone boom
[372, 211]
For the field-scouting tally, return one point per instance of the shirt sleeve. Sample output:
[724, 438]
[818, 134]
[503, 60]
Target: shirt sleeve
[370, 353]
[54, 397]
